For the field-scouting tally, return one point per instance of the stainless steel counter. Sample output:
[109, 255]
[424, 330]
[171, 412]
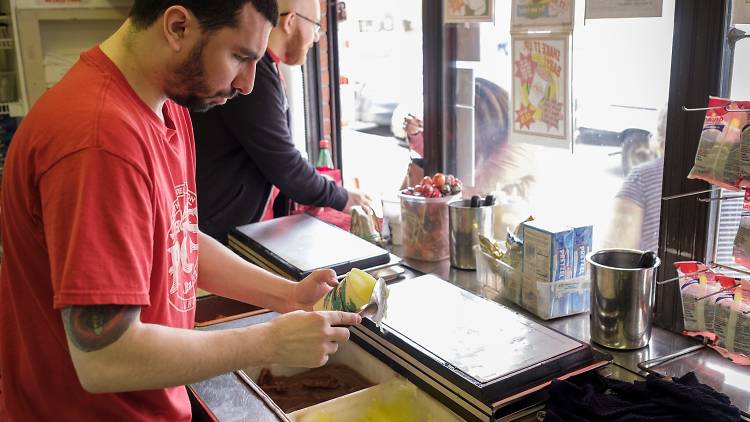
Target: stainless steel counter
[710, 368]
[227, 399]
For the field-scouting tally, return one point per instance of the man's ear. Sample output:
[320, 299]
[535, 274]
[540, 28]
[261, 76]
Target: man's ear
[178, 25]
[286, 23]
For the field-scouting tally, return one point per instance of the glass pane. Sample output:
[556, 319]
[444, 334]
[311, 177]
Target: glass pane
[380, 61]
[295, 92]
[608, 174]
[729, 210]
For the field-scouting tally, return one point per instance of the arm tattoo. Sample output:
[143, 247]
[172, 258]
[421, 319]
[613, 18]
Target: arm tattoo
[92, 328]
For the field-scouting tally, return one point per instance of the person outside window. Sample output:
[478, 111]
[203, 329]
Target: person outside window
[500, 167]
[637, 206]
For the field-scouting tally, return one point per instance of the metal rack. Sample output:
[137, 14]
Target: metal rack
[709, 267]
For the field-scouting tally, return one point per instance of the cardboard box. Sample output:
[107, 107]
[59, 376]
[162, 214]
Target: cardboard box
[547, 251]
[583, 240]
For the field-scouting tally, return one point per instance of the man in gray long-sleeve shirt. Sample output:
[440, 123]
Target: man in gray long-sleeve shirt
[245, 146]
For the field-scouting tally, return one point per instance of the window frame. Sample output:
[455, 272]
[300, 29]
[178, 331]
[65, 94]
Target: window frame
[434, 92]
[313, 91]
[697, 71]
[332, 44]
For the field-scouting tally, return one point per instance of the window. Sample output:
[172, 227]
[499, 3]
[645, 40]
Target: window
[608, 171]
[727, 213]
[295, 92]
[380, 62]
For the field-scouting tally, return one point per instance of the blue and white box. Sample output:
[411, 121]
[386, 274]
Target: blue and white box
[583, 241]
[547, 251]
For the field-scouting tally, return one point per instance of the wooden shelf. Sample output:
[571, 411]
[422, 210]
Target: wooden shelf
[31, 24]
[11, 109]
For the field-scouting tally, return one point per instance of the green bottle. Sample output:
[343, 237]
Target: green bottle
[325, 162]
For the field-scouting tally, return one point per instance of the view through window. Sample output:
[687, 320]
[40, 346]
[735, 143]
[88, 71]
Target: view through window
[380, 61]
[609, 174]
[728, 218]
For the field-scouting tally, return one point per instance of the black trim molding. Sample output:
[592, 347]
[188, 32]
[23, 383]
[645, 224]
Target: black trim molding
[332, 36]
[700, 29]
[433, 77]
[311, 77]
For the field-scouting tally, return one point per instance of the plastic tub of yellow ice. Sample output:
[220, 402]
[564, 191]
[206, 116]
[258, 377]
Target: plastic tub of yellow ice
[395, 400]
[356, 290]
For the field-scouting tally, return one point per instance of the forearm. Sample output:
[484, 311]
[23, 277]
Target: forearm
[313, 189]
[224, 273]
[297, 179]
[625, 228]
[151, 356]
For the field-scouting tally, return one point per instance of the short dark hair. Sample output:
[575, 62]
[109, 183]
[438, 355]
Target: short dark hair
[491, 118]
[212, 14]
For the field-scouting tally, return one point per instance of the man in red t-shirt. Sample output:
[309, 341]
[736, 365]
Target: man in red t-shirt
[100, 229]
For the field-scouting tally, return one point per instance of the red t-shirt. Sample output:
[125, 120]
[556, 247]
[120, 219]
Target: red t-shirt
[98, 207]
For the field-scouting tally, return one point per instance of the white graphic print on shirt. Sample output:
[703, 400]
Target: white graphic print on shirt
[183, 249]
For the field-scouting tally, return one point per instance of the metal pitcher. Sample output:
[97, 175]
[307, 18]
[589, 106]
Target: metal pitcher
[622, 298]
[466, 223]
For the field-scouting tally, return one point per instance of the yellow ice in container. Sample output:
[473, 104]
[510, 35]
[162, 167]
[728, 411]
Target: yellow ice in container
[399, 409]
[393, 402]
[352, 293]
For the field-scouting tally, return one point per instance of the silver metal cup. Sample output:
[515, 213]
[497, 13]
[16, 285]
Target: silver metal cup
[466, 223]
[622, 298]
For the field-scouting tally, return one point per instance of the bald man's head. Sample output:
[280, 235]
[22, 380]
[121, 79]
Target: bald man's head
[302, 6]
[298, 29]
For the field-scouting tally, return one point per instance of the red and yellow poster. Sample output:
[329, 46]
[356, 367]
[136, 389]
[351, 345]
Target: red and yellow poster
[541, 88]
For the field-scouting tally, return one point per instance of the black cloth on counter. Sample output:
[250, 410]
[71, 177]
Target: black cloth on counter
[656, 399]
[243, 148]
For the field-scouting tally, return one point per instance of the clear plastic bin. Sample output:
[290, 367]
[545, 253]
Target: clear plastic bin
[498, 279]
[424, 227]
[556, 299]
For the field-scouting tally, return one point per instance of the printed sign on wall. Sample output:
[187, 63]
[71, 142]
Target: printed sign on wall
[541, 89]
[600, 9]
[740, 12]
[469, 10]
[542, 14]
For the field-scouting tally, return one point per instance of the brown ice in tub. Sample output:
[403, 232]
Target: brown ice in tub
[311, 387]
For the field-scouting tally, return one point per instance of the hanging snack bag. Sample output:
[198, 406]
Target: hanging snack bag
[723, 157]
[732, 320]
[741, 249]
[742, 331]
[723, 304]
[696, 281]
[709, 314]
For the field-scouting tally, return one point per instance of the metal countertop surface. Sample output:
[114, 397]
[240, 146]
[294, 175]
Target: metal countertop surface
[710, 367]
[734, 380]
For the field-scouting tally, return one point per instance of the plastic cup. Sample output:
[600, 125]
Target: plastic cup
[424, 226]
[392, 216]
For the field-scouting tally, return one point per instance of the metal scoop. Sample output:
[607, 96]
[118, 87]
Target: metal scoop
[369, 310]
[648, 259]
